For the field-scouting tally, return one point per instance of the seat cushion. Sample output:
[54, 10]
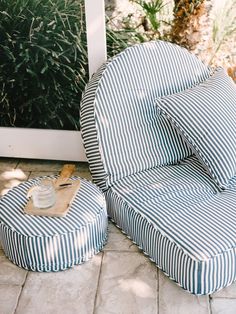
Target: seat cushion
[177, 215]
[206, 117]
[122, 129]
[42, 243]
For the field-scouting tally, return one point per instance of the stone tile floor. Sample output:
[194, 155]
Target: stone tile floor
[119, 280]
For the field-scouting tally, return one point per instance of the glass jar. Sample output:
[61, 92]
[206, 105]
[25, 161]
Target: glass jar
[44, 195]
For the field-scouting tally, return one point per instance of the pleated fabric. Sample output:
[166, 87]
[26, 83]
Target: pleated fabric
[177, 216]
[41, 243]
[122, 129]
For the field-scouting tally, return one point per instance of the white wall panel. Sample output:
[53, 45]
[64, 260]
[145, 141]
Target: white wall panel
[41, 144]
[96, 33]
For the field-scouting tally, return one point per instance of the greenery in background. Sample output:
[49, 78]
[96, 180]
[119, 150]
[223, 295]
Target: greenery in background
[43, 54]
[116, 41]
[166, 20]
[224, 25]
[185, 22]
[153, 23]
[43, 63]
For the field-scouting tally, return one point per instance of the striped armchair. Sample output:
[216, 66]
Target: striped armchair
[157, 190]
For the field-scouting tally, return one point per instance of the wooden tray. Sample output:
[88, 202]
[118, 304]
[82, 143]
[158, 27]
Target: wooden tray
[64, 198]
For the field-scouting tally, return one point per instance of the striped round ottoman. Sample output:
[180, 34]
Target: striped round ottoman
[42, 243]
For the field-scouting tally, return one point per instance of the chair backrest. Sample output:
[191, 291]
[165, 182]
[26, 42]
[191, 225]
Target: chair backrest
[122, 130]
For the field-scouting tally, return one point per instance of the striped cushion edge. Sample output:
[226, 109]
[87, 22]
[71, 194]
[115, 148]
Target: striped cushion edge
[205, 115]
[89, 130]
[195, 276]
[121, 86]
[53, 244]
[54, 253]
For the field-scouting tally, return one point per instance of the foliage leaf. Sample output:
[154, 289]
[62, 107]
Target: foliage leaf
[43, 63]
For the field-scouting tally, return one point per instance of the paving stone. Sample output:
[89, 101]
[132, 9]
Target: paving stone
[174, 300]
[8, 298]
[228, 292]
[44, 165]
[41, 165]
[112, 227]
[8, 163]
[128, 284]
[223, 306]
[11, 178]
[34, 174]
[66, 292]
[117, 241]
[83, 167]
[11, 274]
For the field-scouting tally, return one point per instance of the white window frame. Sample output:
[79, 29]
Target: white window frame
[60, 144]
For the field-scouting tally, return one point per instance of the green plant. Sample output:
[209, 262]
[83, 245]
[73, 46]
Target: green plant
[43, 63]
[116, 41]
[223, 26]
[151, 24]
[151, 10]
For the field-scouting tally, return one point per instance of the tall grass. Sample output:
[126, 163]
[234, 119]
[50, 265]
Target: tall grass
[43, 63]
[223, 26]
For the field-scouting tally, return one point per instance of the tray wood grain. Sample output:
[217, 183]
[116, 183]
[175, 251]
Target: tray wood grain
[64, 198]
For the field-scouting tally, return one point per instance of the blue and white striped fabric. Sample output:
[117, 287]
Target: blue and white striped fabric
[206, 116]
[41, 243]
[89, 131]
[122, 130]
[158, 193]
[179, 218]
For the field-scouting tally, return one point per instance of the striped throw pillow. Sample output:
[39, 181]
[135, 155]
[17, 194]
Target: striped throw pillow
[205, 115]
